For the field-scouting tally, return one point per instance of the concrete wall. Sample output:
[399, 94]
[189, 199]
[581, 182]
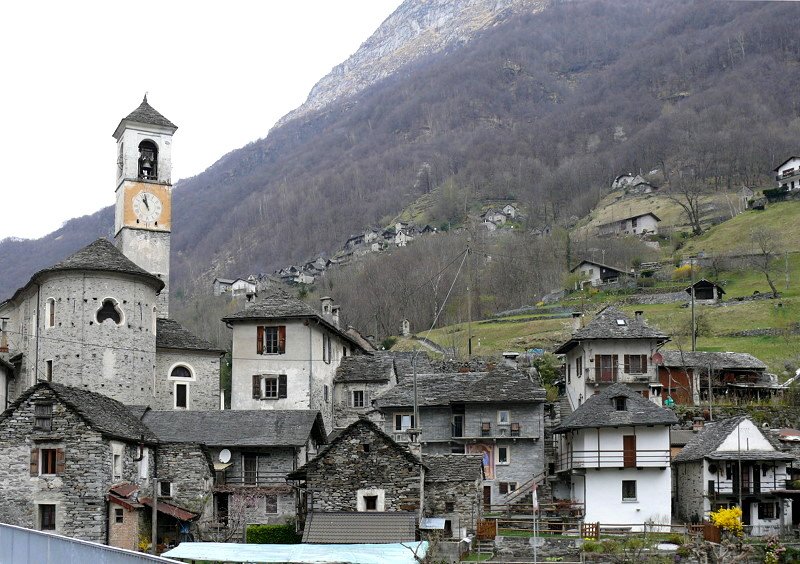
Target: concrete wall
[115, 360]
[603, 496]
[203, 385]
[307, 373]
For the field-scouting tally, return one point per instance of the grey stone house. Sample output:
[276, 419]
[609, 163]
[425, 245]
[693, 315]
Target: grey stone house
[358, 380]
[252, 452]
[364, 470]
[497, 414]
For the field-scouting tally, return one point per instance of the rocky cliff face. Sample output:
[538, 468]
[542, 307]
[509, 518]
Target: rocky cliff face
[416, 29]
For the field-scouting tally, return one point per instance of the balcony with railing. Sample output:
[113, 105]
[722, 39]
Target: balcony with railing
[492, 430]
[751, 484]
[260, 478]
[602, 375]
[623, 458]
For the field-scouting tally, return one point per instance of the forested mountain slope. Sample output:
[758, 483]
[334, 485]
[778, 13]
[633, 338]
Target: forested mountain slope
[546, 108]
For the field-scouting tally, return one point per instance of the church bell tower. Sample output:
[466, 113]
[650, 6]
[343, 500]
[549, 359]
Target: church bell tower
[143, 217]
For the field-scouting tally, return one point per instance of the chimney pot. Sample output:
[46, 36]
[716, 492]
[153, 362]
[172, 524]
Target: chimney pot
[576, 320]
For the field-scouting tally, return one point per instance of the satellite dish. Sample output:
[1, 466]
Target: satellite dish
[224, 455]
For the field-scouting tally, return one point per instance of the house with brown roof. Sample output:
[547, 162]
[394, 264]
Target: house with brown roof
[285, 354]
[611, 348]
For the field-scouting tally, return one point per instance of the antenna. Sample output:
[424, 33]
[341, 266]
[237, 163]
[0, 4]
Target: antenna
[224, 456]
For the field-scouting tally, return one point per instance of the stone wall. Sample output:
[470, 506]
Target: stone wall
[188, 467]
[363, 460]
[203, 385]
[78, 492]
[689, 499]
[466, 500]
[343, 412]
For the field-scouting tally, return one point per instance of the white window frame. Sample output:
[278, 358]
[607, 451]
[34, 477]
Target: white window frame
[171, 489]
[501, 420]
[49, 312]
[175, 385]
[402, 415]
[363, 398]
[508, 455]
[636, 492]
[361, 503]
[41, 450]
[189, 367]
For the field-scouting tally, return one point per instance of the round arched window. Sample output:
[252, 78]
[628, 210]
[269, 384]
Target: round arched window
[180, 372]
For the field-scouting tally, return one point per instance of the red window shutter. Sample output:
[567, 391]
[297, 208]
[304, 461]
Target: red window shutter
[282, 391]
[627, 361]
[257, 386]
[644, 363]
[282, 339]
[260, 340]
[61, 460]
[34, 462]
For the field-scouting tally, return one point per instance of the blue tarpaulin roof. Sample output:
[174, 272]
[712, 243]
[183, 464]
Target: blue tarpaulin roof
[396, 553]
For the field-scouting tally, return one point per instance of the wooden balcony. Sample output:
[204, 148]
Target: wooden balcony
[581, 459]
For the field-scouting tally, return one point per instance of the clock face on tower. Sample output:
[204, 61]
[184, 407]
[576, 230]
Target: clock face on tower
[147, 207]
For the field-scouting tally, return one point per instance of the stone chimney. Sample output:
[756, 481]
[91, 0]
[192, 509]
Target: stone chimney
[639, 315]
[327, 308]
[335, 314]
[576, 320]
[510, 359]
[697, 424]
[3, 335]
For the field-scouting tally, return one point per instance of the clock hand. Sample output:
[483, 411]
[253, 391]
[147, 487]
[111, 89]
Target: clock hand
[144, 199]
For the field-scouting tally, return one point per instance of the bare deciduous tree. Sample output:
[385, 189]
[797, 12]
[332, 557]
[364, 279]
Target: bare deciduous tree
[766, 244]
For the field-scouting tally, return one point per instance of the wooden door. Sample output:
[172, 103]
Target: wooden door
[487, 497]
[629, 451]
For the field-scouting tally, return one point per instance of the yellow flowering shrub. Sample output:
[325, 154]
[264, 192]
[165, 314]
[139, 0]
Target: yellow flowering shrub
[729, 520]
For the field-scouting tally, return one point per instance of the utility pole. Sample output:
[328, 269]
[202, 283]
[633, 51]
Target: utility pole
[694, 322]
[469, 299]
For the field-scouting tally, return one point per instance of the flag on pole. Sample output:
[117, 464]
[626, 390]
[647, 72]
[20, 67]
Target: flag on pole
[535, 497]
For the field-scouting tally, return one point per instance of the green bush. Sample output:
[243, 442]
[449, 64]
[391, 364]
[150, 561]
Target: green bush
[388, 343]
[272, 534]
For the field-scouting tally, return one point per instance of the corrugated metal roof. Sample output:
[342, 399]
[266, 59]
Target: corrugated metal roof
[367, 527]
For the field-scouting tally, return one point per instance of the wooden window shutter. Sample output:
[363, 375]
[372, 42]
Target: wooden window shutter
[627, 361]
[282, 340]
[644, 363]
[257, 386]
[34, 462]
[260, 340]
[282, 391]
[60, 461]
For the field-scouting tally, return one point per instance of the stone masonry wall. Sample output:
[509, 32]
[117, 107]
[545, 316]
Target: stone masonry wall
[188, 467]
[344, 413]
[203, 386]
[465, 497]
[689, 499]
[78, 492]
[347, 467]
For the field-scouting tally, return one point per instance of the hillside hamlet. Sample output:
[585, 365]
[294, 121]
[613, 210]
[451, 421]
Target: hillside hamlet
[117, 427]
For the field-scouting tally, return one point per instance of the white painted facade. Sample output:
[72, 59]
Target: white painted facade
[597, 464]
[241, 287]
[510, 211]
[788, 174]
[636, 225]
[584, 378]
[307, 371]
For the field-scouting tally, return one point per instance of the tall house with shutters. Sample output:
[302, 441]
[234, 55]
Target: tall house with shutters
[612, 348]
[285, 355]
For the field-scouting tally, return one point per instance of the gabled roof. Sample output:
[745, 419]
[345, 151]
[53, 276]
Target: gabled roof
[356, 335]
[406, 361]
[301, 472]
[224, 280]
[365, 368]
[171, 335]
[777, 168]
[245, 428]
[714, 360]
[100, 256]
[599, 410]
[706, 442]
[103, 414]
[280, 305]
[703, 283]
[341, 527]
[612, 323]
[600, 264]
[146, 114]
[443, 389]
[453, 467]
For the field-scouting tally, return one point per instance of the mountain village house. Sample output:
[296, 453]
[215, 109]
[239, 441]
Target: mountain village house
[611, 348]
[642, 224]
[613, 457]
[596, 274]
[705, 292]
[787, 174]
[729, 462]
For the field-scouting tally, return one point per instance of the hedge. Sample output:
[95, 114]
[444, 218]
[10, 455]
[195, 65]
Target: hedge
[272, 534]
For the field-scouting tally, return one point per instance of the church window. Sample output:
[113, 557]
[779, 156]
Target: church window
[50, 312]
[181, 396]
[148, 160]
[48, 370]
[110, 310]
[180, 371]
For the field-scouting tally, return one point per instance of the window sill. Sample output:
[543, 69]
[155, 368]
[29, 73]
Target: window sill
[630, 501]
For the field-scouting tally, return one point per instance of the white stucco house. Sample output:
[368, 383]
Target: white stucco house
[640, 224]
[613, 457]
[596, 273]
[611, 348]
[787, 174]
[510, 211]
[731, 460]
[285, 354]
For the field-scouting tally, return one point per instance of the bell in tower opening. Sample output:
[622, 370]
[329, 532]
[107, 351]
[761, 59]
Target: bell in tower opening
[148, 160]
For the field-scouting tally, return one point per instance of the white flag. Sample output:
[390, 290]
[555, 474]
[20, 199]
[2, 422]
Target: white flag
[535, 498]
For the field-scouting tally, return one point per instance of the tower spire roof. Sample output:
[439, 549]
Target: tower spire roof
[146, 114]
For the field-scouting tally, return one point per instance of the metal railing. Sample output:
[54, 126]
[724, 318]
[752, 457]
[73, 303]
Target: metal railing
[653, 458]
[611, 375]
[764, 485]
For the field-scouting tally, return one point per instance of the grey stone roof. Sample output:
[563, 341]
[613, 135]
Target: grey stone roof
[171, 335]
[245, 428]
[453, 467]
[371, 527]
[403, 364]
[611, 323]
[470, 387]
[103, 414]
[356, 335]
[100, 256]
[599, 411]
[703, 283]
[280, 305]
[614, 268]
[365, 368]
[145, 113]
[716, 360]
[705, 444]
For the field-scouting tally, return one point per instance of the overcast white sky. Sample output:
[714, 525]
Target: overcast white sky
[223, 72]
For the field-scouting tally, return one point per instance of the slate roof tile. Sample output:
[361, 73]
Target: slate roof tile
[705, 444]
[145, 113]
[716, 360]
[239, 428]
[611, 323]
[359, 527]
[599, 411]
[365, 368]
[171, 335]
